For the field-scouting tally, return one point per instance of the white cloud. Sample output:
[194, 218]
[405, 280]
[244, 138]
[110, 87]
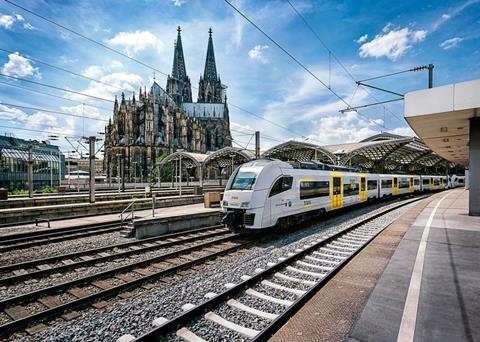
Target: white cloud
[7, 21]
[362, 39]
[342, 128]
[39, 120]
[19, 66]
[404, 131]
[452, 13]
[116, 64]
[446, 16]
[115, 81]
[178, 3]
[256, 53]
[93, 71]
[28, 26]
[392, 42]
[134, 42]
[451, 43]
[65, 60]
[12, 114]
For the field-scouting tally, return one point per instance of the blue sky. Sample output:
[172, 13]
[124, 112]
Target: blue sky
[370, 39]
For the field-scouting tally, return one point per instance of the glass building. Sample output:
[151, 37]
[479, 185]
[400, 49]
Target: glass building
[48, 163]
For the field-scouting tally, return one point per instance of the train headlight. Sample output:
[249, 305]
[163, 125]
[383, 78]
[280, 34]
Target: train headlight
[245, 204]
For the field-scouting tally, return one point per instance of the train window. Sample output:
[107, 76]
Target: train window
[282, 184]
[371, 184]
[436, 181]
[244, 181]
[386, 183]
[416, 181]
[362, 183]
[313, 189]
[426, 181]
[351, 189]
[395, 182]
[403, 183]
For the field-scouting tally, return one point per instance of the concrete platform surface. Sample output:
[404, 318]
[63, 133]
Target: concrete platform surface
[139, 214]
[430, 289]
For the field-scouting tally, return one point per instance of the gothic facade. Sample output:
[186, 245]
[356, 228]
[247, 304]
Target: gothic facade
[162, 121]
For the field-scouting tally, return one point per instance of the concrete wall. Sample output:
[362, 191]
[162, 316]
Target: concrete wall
[21, 215]
[158, 226]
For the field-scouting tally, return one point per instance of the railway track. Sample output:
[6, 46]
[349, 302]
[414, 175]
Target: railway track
[36, 238]
[263, 301]
[192, 248]
[14, 273]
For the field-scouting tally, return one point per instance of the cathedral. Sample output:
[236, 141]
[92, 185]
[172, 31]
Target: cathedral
[162, 121]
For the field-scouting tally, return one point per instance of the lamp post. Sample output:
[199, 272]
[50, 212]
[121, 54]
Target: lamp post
[119, 157]
[135, 174]
[180, 171]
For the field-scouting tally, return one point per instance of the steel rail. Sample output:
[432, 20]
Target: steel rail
[57, 237]
[4, 239]
[81, 302]
[66, 267]
[221, 298]
[51, 259]
[59, 287]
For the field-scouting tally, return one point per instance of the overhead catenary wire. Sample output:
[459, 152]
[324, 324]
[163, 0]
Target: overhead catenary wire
[84, 37]
[332, 54]
[51, 111]
[62, 69]
[55, 87]
[298, 62]
[37, 130]
[51, 95]
[154, 69]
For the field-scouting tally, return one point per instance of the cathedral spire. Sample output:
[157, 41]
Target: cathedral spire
[210, 88]
[210, 71]
[178, 84]
[179, 70]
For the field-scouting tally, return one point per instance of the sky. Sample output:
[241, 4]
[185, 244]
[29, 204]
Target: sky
[281, 99]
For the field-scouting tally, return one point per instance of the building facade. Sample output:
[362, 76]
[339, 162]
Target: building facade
[48, 163]
[162, 121]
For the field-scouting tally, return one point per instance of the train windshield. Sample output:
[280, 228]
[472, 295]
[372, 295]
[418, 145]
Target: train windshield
[244, 180]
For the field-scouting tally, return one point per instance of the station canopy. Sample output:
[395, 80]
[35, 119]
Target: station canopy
[189, 159]
[386, 152]
[20, 154]
[300, 151]
[228, 156]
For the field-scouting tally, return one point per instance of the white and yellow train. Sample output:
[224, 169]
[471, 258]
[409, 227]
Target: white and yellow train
[264, 193]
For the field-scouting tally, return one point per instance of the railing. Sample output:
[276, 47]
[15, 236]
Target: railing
[131, 205]
[39, 219]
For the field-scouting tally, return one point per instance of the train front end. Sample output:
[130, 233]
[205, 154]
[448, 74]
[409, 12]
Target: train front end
[244, 197]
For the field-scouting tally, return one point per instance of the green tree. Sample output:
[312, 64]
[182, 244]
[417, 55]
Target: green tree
[166, 170]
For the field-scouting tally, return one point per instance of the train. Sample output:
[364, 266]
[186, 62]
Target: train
[267, 193]
[456, 181]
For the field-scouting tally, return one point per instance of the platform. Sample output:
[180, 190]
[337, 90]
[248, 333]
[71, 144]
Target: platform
[379, 297]
[166, 212]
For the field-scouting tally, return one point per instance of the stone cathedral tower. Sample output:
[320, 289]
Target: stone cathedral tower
[161, 121]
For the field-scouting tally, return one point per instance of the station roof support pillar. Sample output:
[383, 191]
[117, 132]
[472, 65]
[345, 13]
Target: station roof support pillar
[474, 169]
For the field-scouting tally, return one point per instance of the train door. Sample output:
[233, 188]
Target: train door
[412, 189]
[432, 185]
[395, 186]
[363, 188]
[336, 190]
